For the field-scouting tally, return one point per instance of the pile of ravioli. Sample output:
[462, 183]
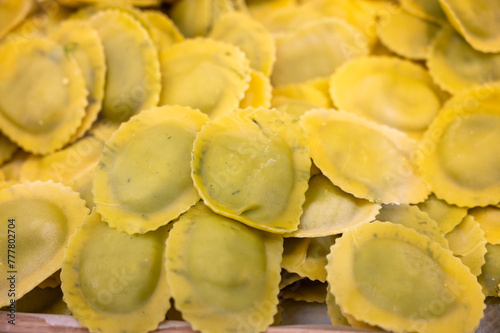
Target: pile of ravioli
[214, 161]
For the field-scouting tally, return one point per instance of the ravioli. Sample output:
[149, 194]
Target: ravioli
[408, 35]
[489, 221]
[250, 36]
[447, 216]
[365, 159]
[133, 78]
[478, 21]
[377, 88]
[143, 180]
[459, 156]
[329, 41]
[328, 210]
[38, 219]
[223, 273]
[253, 165]
[393, 277]
[81, 41]
[40, 115]
[456, 66]
[114, 282]
[209, 75]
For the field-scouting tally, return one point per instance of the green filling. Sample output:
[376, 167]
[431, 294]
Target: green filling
[252, 174]
[40, 231]
[402, 279]
[227, 263]
[153, 169]
[469, 150]
[119, 272]
[35, 105]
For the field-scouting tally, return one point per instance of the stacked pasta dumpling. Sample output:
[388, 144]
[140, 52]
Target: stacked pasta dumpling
[220, 161]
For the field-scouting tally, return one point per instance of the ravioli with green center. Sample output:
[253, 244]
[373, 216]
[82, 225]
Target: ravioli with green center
[393, 277]
[223, 273]
[253, 165]
[114, 282]
[460, 153]
[37, 220]
[143, 180]
[365, 159]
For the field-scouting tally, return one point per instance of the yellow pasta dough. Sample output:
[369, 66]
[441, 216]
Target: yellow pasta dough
[223, 273]
[143, 180]
[390, 276]
[253, 165]
[37, 219]
[40, 115]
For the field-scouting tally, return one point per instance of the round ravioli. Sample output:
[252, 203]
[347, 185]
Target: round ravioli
[37, 220]
[250, 36]
[447, 216]
[328, 210]
[456, 66]
[391, 276]
[477, 20]
[459, 156]
[222, 273]
[143, 180]
[133, 78]
[489, 220]
[41, 114]
[114, 282]
[12, 12]
[81, 41]
[377, 88]
[408, 35]
[315, 50]
[253, 166]
[412, 217]
[209, 75]
[365, 159]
